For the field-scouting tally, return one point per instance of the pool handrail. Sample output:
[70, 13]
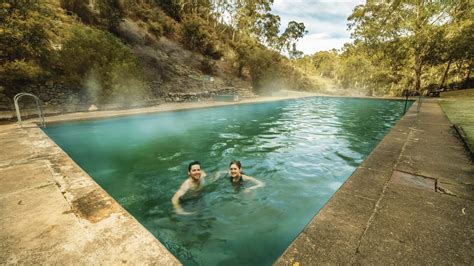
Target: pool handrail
[38, 107]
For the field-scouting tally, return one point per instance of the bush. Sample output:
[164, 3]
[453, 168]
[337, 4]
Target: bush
[170, 27]
[197, 37]
[155, 28]
[81, 9]
[20, 71]
[93, 54]
[26, 35]
[159, 22]
[212, 51]
[208, 66]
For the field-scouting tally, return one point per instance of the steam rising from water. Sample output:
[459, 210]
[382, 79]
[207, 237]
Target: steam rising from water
[124, 89]
[92, 86]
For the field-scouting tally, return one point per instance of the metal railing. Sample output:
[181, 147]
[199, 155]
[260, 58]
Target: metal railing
[38, 107]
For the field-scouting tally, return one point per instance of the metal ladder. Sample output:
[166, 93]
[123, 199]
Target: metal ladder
[38, 107]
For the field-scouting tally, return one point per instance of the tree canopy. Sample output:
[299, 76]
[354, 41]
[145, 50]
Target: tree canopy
[406, 45]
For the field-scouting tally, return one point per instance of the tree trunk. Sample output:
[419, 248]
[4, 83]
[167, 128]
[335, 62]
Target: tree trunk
[418, 67]
[241, 67]
[468, 75]
[445, 74]
[458, 74]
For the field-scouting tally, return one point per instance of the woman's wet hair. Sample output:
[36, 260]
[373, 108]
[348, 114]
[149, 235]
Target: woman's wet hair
[193, 163]
[240, 170]
[236, 163]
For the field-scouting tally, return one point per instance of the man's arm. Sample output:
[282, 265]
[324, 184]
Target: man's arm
[175, 199]
[257, 182]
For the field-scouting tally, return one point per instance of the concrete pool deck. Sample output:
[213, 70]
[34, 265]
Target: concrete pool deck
[52, 212]
[410, 202]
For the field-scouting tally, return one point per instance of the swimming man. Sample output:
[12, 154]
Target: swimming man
[194, 182]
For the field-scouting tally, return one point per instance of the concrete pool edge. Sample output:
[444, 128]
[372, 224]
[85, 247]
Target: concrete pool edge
[405, 204]
[168, 107]
[97, 194]
[352, 193]
[98, 229]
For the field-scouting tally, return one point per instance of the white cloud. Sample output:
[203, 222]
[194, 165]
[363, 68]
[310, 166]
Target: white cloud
[313, 43]
[325, 21]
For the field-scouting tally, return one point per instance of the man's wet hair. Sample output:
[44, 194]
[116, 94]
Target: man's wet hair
[193, 163]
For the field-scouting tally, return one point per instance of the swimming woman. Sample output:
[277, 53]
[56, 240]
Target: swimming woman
[237, 176]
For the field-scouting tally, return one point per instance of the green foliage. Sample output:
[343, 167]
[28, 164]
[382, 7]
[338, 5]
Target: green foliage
[244, 49]
[155, 28]
[326, 63]
[404, 45]
[81, 9]
[208, 66]
[194, 36]
[26, 34]
[40, 41]
[159, 23]
[106, 14]
[172, 8]
[293, 32]
[20, 71]
[268, 28]
[91, 53]
[264, 67]
[198, 37]
[110, 14]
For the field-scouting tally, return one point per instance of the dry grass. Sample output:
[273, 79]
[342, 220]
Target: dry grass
[469, 93]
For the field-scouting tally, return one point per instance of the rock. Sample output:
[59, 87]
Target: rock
[49, 85]
[92, 108]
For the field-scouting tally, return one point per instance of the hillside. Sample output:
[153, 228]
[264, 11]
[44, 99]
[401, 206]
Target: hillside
[171, 67]
[114, 54]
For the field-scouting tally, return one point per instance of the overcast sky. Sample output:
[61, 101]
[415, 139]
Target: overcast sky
[325, 21]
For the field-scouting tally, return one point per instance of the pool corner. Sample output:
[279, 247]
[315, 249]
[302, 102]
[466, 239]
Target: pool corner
[53, 212]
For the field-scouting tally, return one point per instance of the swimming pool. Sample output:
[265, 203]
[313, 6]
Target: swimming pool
[302, 149]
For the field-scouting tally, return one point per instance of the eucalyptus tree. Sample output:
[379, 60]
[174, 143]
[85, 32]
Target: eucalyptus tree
[293, 32]
[267, 28]
[461, 30]
[453, 43]
[325, 63]
[409, 25]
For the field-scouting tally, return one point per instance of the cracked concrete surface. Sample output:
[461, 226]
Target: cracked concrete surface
[51, 212]
[383, 215]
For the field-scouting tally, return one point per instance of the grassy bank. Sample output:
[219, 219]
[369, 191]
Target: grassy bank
[459, 107]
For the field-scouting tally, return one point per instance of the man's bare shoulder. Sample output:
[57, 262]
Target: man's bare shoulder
[186, 184]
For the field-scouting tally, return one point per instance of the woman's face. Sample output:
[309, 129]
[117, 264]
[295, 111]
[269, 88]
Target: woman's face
[234, 170]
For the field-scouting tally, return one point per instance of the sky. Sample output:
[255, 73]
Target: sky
[325, 21]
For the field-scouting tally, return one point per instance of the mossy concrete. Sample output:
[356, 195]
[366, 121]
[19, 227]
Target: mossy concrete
[410, 202]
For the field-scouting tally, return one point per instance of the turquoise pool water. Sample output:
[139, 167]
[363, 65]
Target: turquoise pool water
[302, 149]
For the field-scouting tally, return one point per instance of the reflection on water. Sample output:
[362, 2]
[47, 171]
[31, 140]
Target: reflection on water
[302, 149]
